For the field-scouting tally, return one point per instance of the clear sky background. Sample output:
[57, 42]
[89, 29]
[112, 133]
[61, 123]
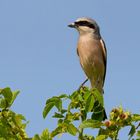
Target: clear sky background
[38, 53]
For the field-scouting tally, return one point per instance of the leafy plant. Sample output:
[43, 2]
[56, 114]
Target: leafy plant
[87, 107]
[11, 124]
[84, 106]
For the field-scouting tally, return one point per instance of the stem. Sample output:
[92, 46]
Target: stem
[138, 126]
[80, 134]
[117, 134]
[81, 129]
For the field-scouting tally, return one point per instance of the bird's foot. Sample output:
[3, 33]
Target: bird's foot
[82, 84]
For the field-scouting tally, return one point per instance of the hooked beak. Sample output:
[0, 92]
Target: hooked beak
[72, 25]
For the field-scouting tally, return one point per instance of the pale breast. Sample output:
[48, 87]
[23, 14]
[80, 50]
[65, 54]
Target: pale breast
[90, 55]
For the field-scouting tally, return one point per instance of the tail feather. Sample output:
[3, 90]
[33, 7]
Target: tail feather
[105, 115]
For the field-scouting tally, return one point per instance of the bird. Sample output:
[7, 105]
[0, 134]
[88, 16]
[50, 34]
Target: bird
[92, 51]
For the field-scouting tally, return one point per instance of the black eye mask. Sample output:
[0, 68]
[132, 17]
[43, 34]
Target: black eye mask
[85, 23]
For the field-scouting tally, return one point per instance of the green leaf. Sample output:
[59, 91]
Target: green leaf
[98, 96]
[89, 103]
[138, 133]
[85, 90]
[15, 93]
[86, 95]
[2, 138]
[47, 108]
[136, 117]
[53, 99]
[88, 137]
[72, 129]
[45, 135]
[36, 137]
[60, 121]
[83, 115]
[98, 116]
[21, 117]
[69, 116]
[63, 96]
[103, 131]
[56, 101]
[58, 115]
[7, 93]
[98, 111]
[80, 98]
[90, 124]
[57, 131]
[17, 119]
[58, 104]
[76, 116]
[3, 131]
[101, 137]
[74, 95]
[3, 103]
[63, 111]
[9, 97]
[73, 104]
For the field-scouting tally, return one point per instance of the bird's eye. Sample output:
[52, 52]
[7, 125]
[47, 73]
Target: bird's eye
[85, 23]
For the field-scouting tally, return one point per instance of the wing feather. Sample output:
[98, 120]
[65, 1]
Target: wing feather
[104, 52]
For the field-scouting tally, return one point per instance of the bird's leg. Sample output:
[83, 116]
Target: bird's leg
[82, 84]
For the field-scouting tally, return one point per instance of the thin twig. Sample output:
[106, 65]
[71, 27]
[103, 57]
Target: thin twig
[138, 126]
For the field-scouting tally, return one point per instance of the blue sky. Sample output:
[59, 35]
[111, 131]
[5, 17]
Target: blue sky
[38, 53]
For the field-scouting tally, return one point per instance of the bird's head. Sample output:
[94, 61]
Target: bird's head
[86, 25]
